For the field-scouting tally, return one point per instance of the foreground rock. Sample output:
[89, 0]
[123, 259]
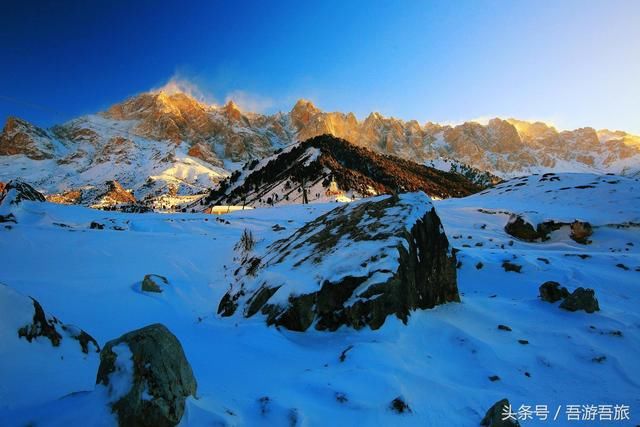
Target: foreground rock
[353, 266]
[148, 377]
[495, 414]
[581, 299]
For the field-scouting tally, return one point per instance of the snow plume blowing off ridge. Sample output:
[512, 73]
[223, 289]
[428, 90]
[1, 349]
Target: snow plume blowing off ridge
[180, 84]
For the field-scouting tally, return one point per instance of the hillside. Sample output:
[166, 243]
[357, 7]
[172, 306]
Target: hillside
[448, 364]
[326, 168]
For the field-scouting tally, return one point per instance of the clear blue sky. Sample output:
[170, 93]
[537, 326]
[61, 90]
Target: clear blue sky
[574, 63]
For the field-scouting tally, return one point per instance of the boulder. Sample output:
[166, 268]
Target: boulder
[148, 377]
[496, 414]
[552, 291]
[581, 299]
[353, 266]
[581, 231]
[521, 229]
[151, 283]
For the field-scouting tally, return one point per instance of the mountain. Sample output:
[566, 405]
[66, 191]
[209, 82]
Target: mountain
[325, 168]
[160, 143]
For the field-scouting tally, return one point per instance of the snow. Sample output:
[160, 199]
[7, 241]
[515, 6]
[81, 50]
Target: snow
[251, 374]
[121, 380]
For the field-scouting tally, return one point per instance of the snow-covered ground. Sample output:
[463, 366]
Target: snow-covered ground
[251, 374]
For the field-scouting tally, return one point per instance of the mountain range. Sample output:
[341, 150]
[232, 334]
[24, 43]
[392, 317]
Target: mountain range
[159, 143]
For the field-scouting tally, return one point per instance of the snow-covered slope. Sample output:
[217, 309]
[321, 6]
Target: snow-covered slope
[449, 364]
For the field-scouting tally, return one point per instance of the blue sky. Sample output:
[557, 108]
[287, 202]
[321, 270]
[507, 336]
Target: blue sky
[573, 63]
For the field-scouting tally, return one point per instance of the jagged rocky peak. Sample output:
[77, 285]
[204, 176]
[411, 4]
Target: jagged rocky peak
[232, 111]
[535, 129]
[353, 266]
[174, 117]
[21, 137]
[302, 113]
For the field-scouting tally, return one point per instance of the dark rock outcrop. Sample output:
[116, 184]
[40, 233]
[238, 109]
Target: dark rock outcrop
[48, 327]
[495, 416]
[552, 291]
[16, 191]
[581, 299]
[160, 377]
[521, 229]
[409, 267]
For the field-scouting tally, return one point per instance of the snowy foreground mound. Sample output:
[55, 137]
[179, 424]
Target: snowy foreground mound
[352, 266]
[445, 366]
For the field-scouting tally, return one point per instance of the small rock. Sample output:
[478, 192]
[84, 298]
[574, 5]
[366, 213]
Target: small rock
[581, 299]
[495, 414]
[96, 226]
[479, 266]
[494, 378]
[399, 406]
[523, 342]
[552, 291]
[504, 328]
[580, 232]
[151, 283]
[509, 266]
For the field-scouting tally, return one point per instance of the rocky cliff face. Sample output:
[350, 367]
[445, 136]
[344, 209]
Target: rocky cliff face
[353, 266]
[21, 137]
[158, 140]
